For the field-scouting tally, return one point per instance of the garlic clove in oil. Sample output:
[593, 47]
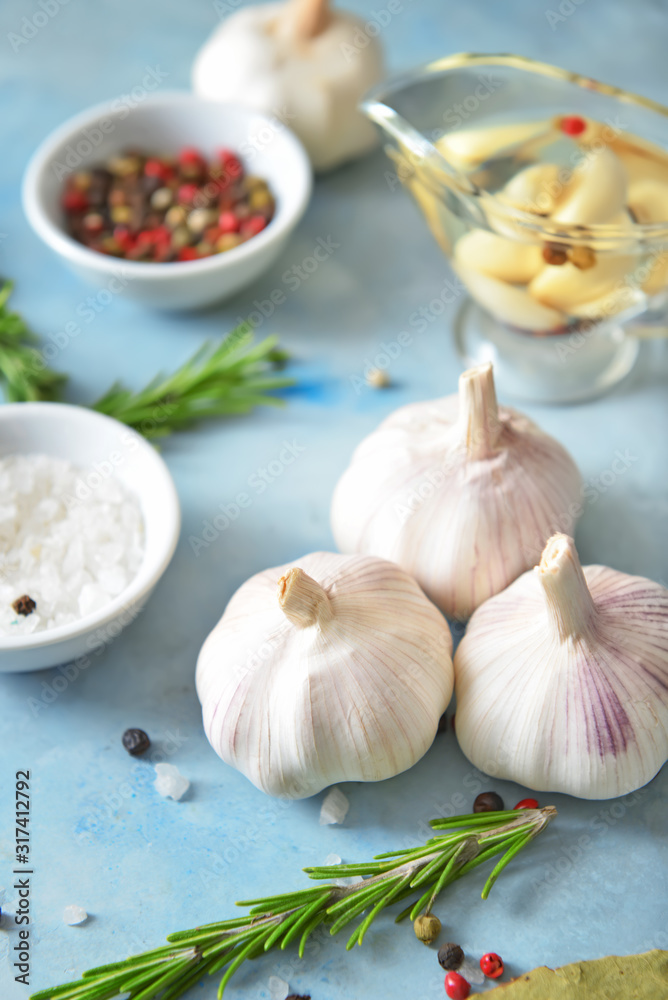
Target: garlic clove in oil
[336, 668]
[460, 492]
[596, 192]
[507, 260]
[562, 680]
[508, 303]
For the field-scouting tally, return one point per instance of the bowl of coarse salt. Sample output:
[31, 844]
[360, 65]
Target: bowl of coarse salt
[89, 520]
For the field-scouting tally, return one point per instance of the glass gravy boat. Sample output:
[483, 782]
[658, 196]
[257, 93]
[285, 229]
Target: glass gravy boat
[458, 132]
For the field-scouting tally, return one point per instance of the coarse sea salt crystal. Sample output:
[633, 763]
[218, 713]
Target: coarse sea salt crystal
[70, 540]
[334, 859]
[472, 972]
[169, 782]
[278, 988]
[73, 915]
[334, 808]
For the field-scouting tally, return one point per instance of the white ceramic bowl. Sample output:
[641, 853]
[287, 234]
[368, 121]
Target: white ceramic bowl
[105, 447]
[165, 123]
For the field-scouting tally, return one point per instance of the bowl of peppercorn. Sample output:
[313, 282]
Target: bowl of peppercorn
[178, 203]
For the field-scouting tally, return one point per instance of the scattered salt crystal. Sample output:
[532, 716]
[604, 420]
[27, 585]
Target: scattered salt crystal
[472, 972]
[71, 539]
[332, 859]
[169, 782]
[334, 808]
[74, 915]
[278, 988]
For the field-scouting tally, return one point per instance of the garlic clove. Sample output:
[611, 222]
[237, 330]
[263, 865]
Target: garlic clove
[507, 260]
[466, 148]
[458, 491]
[596, 192]
[566, 286]
[535, 189]
[335, 669]
[562, 679]
[648, 200]
[508, 303]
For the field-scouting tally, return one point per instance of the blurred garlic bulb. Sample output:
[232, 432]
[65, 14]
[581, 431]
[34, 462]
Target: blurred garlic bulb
[304, 66]
[562, 680]
[459, 492]
[340, 674]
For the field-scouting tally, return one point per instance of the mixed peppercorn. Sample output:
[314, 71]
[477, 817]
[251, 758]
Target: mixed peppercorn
[161, 208]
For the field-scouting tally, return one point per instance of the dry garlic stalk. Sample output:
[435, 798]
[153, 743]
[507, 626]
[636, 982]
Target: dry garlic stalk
[459, 492]
[340, 674]
[562, 680]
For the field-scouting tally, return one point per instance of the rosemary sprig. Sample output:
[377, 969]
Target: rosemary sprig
[231, 377]
[23, 371]
[463, 843]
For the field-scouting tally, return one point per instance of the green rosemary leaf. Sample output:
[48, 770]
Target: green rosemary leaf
[358, 936]
[206, 930]
[241, 957]
[309, 912]
[24, 374]
[477, 819]
[513, 849]
[308, 930]
[269, 902]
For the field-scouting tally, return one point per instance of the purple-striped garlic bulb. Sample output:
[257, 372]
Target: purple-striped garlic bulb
[562, 680]
[461, 493]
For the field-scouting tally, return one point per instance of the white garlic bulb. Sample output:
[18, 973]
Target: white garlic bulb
[459, 492]
[302, 65]
[336, 668]
[562, 680]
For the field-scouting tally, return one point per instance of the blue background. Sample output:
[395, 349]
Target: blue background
[142, 866]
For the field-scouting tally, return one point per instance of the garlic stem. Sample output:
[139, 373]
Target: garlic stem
[569, 602]
[478, 412]
[304, 19]
[304, 602]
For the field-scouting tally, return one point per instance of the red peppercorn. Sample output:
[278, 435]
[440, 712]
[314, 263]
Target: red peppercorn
[572, 125]
[492, 965]
[187, 253]
[527, 804]
[228, 222]
[187, 193]
[190, 155]
[456, 986]
[158, 168]
[254, 225]
[145, 238]
[75, 201]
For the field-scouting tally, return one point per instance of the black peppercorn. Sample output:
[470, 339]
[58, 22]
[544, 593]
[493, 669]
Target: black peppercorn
[488, 802]
[136, 741]
[24, 605]
[450, 956]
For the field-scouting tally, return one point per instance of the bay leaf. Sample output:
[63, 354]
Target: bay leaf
[627, 977]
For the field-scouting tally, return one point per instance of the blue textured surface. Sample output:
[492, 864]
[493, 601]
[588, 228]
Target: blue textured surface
[142, 866]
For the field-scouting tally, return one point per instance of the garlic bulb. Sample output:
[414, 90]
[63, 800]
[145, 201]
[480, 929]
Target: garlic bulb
[458, 492]
[302, 65]
[339, 675]
[562, 680]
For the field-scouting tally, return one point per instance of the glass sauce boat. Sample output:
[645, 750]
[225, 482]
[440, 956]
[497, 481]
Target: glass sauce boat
[493, 148]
